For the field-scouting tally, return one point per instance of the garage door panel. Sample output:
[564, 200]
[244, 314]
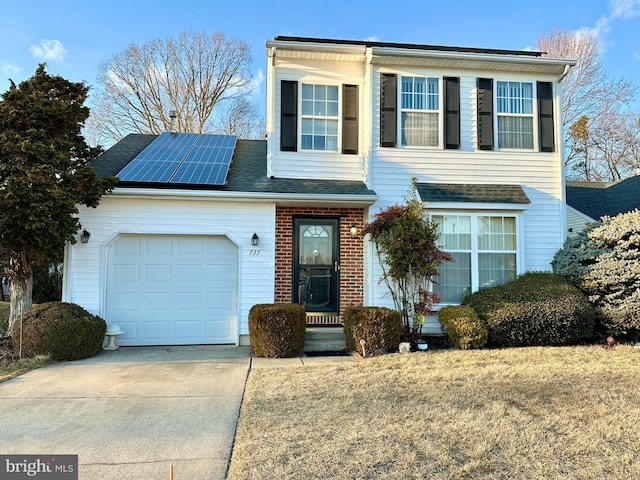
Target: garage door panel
[130, 244]
[155, 301]
[158, 245]
[154, 274]
[188, 273]
[126, 273]
[171, 290]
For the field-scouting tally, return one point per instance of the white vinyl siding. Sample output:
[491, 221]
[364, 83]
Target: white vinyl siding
[86, 264]
[314, 164]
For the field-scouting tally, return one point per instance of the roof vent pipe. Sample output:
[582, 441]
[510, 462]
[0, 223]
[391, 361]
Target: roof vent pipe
[172, 125]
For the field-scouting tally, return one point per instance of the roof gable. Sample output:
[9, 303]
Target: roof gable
[597, 199]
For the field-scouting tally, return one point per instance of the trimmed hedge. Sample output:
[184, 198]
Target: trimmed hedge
[65, 331]
[379, 327]
[537, 308]
[463, 327]
[277, 330]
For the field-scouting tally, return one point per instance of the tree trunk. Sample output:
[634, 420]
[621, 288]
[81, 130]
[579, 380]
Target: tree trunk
[20, 288]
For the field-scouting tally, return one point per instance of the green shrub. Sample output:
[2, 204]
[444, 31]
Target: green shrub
[379, 327]
[463, 327]
[603, 260]
[47, 283]
[277, 330]
[537, 308]
[64, 331]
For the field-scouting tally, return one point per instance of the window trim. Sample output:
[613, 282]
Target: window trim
[533, 115]
[438, 111]
[337, 118]
[474, 215]
[349, 133]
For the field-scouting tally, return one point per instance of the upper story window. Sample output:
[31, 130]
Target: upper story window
[515, 115]
[327, 117]
[521, 112]
[420, 121]
[427, 115]
[319, 117]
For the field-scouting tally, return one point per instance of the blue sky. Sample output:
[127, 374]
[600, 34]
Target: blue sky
[73, 36]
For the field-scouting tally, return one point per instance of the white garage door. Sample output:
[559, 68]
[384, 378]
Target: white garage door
[173, 289]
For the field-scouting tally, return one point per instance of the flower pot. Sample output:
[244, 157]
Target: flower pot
[422, 345]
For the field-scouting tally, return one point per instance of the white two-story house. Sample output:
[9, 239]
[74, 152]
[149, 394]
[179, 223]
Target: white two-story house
[179, 257]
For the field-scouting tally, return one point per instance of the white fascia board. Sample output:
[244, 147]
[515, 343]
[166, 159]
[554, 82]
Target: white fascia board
[557, 65]
[314, 47]
[475, 206]
[248, 197]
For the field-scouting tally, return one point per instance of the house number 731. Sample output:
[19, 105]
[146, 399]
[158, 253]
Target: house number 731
[254, 251]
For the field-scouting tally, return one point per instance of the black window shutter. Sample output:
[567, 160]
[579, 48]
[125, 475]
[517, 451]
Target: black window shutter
[485, 113]
[388, 110]
[545, 117]
[451, 112]
[288, 116]
[350, 119]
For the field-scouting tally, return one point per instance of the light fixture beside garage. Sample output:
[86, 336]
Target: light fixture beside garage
[84, 236]
[255, 240]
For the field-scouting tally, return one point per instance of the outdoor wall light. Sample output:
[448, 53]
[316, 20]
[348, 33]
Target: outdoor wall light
[353, 231]
[255, 239]
[84, 236]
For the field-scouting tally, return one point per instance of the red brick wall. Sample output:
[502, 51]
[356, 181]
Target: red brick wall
[351, 255]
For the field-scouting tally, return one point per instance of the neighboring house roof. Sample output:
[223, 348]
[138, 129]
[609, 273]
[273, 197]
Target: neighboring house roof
[248, 171]
[597, 199]
[472, 193]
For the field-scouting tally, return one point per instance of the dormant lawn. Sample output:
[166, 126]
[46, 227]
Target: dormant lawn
[531, 413]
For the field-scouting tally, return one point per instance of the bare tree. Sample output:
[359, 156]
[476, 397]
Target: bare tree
[193, 75]
[588, 92]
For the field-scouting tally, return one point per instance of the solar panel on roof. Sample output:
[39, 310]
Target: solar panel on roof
[189, 158]
[207, 163]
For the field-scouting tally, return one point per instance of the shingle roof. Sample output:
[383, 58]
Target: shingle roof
[472, 193]
[248, 171]
[597, 199]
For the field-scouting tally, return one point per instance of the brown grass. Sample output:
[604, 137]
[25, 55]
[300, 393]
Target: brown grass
[534, 413]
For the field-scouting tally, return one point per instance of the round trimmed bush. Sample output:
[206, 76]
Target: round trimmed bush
[379, 327]
[277, 330]
[64, 331]
[536, 309]
[463, 327]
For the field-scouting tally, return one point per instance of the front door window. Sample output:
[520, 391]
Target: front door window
[316, 265]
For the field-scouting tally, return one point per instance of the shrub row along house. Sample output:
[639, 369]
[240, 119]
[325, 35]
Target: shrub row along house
[202, 227]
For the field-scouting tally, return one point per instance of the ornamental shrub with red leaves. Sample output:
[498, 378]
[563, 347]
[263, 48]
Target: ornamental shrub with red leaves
[405, 239]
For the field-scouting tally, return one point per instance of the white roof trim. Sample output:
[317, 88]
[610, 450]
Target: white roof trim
[474, 206]
[248, 197]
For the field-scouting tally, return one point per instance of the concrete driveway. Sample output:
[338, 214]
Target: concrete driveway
[130, 413]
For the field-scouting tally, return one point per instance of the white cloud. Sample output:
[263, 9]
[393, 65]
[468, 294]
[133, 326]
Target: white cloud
[49, 50]
[624, 8]
[9, 68]
[256, 83]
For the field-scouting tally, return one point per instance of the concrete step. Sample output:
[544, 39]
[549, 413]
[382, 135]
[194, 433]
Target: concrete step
[324, 339]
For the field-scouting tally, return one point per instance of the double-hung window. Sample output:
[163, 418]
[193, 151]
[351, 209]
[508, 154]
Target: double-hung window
[515, 115]
[312, 115]
[420, 119]
[319, 117]
[484, 251]
[419, 111]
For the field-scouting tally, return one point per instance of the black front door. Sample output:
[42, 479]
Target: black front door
[316, 263]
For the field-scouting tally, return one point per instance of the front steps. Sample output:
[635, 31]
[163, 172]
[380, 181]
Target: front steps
[324, 339]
